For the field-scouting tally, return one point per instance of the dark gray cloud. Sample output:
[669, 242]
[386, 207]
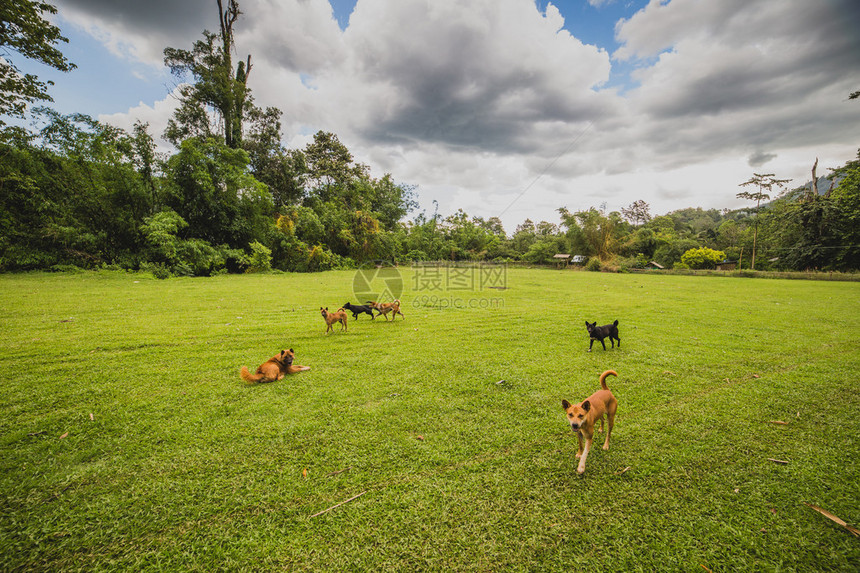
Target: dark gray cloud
[431, 109]
[484, 76]
[770, 58]
[759, 158]
[171, 18]
[141, 30]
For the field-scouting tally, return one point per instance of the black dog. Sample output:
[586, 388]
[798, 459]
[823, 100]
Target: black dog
[357, 309]
[601, 332]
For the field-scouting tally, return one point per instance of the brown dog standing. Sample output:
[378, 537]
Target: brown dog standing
[274, 368]
[385, 307]
[583, 417]
[333, 317]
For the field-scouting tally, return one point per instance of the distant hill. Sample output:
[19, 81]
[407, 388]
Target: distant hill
[824, 184]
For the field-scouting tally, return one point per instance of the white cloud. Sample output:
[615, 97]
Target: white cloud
[298, 35]
[155, 115]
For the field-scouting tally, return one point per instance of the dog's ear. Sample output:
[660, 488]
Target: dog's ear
[586, 405]
[283, 352]
[291, 350]
[565, 404]
[586, 323]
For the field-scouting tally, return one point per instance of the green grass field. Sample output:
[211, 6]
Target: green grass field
[128, 441]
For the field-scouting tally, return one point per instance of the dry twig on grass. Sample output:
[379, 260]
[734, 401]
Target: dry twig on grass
[854, 531]
[334, 473]
[338, 504]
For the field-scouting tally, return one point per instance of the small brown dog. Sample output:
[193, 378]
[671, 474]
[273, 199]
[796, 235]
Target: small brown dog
[583, 417]
[274, 368]
[385, 307]
[332, 317]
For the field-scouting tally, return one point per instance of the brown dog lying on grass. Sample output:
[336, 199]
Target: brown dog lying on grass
[333, 317]
[274, 368]
[583, 417]
[385, 307]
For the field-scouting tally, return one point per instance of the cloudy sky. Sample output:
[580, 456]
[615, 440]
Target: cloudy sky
[512, 108]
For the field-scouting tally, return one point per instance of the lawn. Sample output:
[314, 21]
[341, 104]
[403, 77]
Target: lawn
[129, 442]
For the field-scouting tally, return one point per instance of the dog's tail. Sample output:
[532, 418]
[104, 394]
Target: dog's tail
[248, 377]
[603, 378]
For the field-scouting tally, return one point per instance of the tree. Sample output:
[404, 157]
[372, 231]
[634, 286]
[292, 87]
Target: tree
[216, 85]
[23, 30]
[331, 168]
[638, 212]
[846, 198]
[671, 250]
[390, 202]
[284, 171]
[210, 188]
[593, 233]
[146, 159]
[764, 183]
[524, 237]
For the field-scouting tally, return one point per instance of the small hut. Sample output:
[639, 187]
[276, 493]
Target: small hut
[561, 259]
[654, 266]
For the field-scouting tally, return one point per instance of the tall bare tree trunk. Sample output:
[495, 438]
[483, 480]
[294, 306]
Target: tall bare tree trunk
[234, 105]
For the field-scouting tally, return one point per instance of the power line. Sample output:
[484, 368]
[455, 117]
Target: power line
[548, 167]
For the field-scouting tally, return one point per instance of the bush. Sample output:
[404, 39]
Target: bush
[158, 270]
[593, 264]
[235, 260]
[260, 259]
[417, 255]
[183, 257]
[640, 261]
[701, 258]
[197, 258]
[161, 232]
[66, 269]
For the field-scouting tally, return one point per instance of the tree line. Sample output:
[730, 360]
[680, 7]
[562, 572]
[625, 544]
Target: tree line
[230, 197]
